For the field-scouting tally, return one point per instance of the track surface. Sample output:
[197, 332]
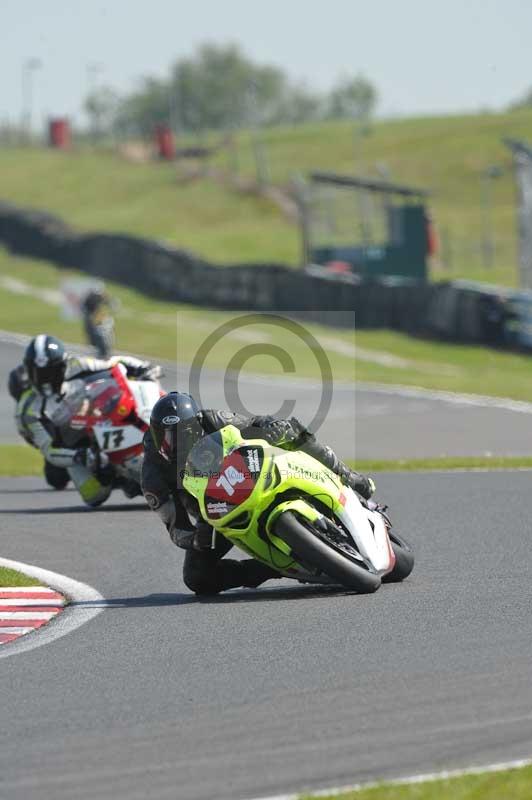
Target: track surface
[362, 422]
[278, 689]
[287, 687]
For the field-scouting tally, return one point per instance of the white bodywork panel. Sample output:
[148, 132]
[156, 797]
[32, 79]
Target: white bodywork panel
[371, 539]
[146, 394]
[112, 438]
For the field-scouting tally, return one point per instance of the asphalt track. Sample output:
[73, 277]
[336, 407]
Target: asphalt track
[275, 690]
[285, 688]
[362, 422]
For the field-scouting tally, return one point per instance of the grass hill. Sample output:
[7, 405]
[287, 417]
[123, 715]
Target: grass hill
[30, 302]
[100, 190]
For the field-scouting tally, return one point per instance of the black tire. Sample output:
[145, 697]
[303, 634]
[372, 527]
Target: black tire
[310, 549]
[404, 560]
[56, 477]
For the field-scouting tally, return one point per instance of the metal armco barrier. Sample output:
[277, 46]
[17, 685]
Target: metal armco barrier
[457, 311]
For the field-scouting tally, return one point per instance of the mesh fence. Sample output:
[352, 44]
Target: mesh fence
[523, 170]
[345, 215]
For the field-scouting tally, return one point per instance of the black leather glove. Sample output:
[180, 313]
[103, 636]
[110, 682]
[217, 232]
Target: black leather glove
[276, 431]
[203, 538]
[182, 538]
[199, 539]
[152, 373]
[96, 462]
[145, 371]
[82, 458]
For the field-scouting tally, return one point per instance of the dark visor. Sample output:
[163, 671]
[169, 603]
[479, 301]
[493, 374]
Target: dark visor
[52, 375]
[168, 444]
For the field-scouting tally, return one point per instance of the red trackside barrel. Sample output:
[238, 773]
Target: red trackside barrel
[59, 133]
[164, 139]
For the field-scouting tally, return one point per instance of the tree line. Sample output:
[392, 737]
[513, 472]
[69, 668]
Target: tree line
[220, 88]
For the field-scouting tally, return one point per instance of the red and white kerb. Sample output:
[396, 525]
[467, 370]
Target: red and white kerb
[23, 609]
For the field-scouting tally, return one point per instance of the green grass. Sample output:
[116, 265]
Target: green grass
[169, 331]
[103, 192]
[443, 464]
[17, 460]
[447, 154]
[9, 577]
[515, 784]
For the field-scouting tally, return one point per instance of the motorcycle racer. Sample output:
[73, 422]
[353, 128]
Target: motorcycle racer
[97, 308]
[42, 410]
[21, 391]
[176, 425]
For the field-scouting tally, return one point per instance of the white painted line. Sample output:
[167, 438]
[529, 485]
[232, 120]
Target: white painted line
[29, 614]
[454, 398]
[15, 286]
[24, 601]
[19, 630]
[412, 779]
[68, 620]
[25, 589]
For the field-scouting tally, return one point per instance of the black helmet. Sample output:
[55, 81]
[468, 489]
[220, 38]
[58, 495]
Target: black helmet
[45, 362]
[175, 427]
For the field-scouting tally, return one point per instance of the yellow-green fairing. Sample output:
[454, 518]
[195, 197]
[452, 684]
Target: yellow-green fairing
[282, 471]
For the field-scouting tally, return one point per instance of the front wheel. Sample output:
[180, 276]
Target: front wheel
[404, 560]
[56, 477]
[308, 548]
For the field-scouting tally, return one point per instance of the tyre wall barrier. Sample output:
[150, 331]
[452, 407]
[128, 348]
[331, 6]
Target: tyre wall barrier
[457, 311]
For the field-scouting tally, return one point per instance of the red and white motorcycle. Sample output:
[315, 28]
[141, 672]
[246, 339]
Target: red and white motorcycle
[108, 413]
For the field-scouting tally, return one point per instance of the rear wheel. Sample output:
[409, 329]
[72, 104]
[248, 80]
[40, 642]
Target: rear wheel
[404, 560]
[307, 547]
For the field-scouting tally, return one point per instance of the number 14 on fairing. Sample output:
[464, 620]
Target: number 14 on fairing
[229, 479]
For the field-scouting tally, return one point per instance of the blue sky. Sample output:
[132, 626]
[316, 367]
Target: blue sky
[424, 56]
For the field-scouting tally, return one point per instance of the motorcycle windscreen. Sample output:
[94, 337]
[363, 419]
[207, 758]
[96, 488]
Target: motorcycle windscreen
[206, 457]
[103, 395]
[90, 400]
[73, 403]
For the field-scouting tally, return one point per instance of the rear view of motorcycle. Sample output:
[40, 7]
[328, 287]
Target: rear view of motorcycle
[290, 512]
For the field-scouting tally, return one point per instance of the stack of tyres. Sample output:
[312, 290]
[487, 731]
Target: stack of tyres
[442, 313]
[33, 233]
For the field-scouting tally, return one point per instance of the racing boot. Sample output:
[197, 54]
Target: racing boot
[206, 575]
[363, 485]
[249, 574]
[255, 573]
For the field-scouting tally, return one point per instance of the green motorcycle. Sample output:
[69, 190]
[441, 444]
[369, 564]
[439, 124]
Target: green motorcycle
[289, 511]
